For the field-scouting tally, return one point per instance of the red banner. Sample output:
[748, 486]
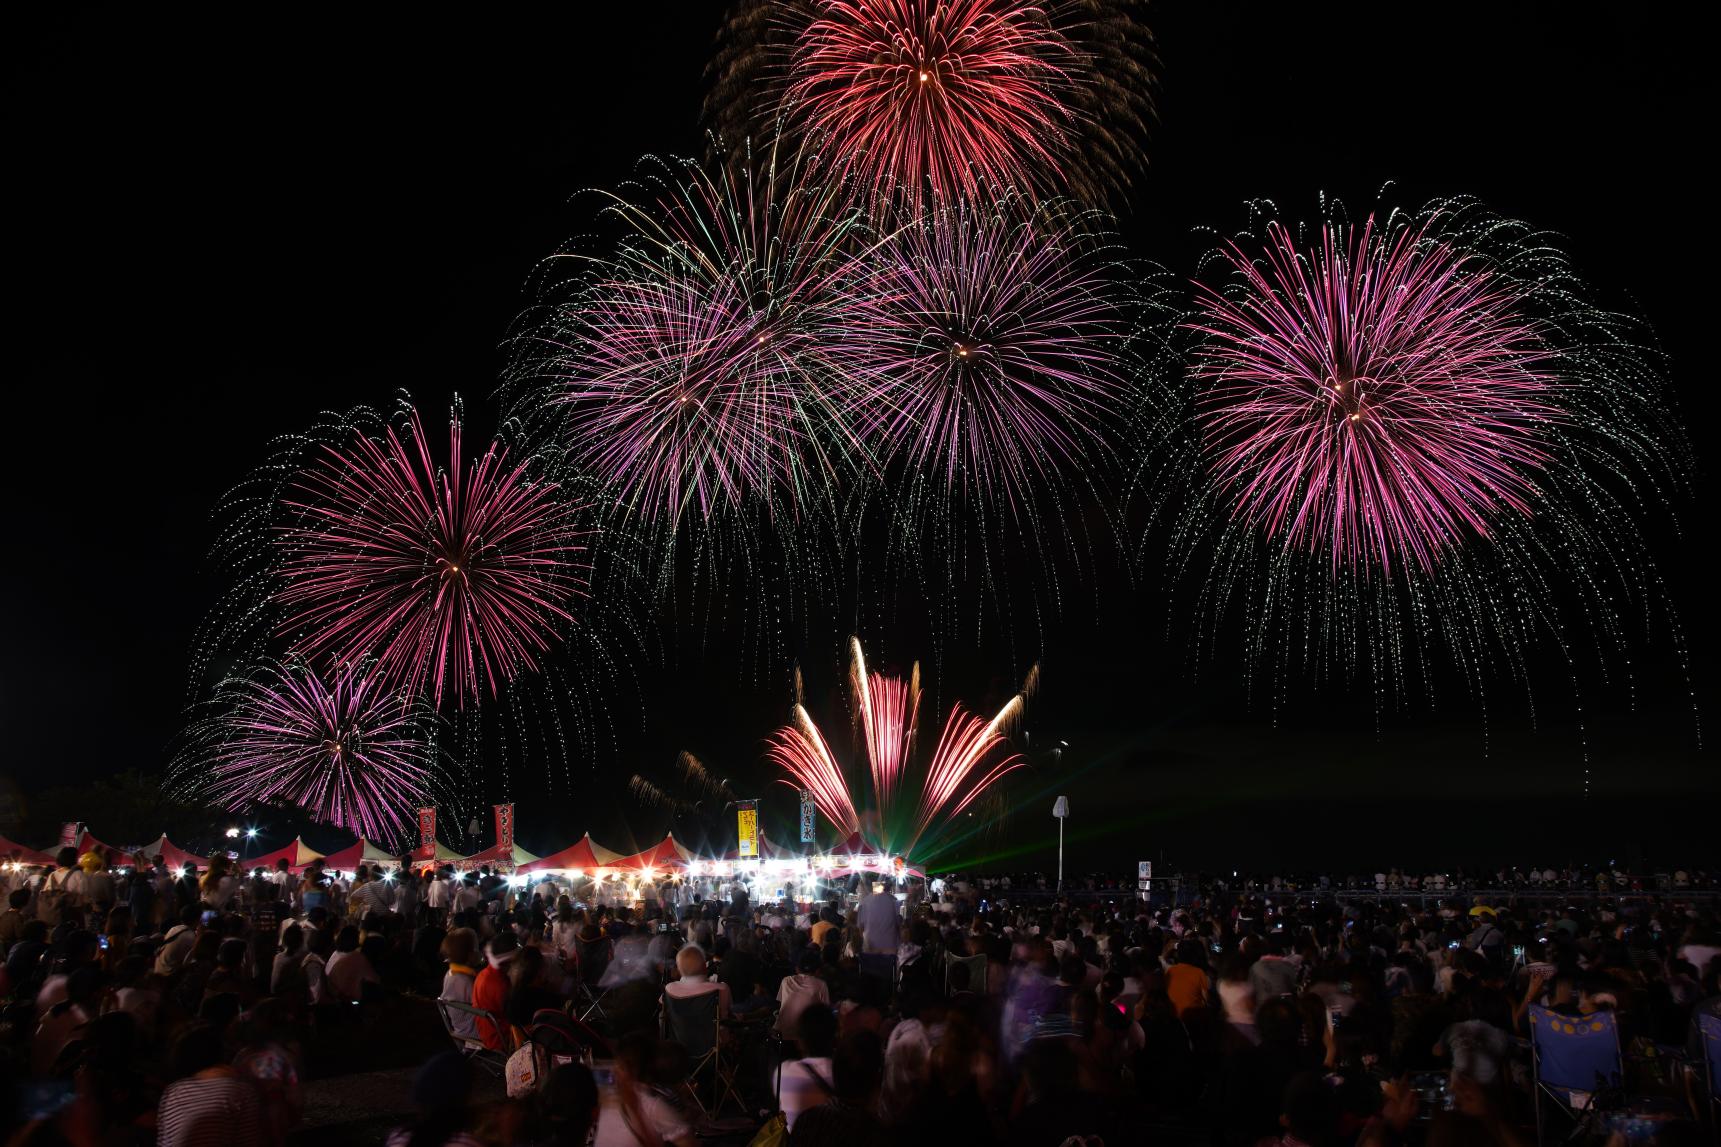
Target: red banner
[504, 828]
[426, 834]
[70, 833]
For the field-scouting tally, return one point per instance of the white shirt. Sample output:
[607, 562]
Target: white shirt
[349, 972]
[795, 995]
[437, 896]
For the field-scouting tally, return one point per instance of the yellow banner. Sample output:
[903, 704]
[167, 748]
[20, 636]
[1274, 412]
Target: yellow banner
[747, 831]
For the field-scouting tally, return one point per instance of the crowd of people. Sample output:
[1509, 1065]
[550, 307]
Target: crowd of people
[1606, 879]
[178, 1008]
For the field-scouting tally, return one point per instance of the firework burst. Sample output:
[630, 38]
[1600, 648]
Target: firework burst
[947, 96]
[984, 354]
[1419, 429]
[342, 747]
[690, 365]
[972, 755]
[453, 581]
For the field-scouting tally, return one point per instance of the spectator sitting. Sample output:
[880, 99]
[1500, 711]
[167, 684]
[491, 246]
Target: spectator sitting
[696, 981]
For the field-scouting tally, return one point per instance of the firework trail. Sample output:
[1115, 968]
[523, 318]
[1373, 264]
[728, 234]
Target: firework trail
[454, 581]
[1419, 430]
[971, 757]
[946, 97]
[342, 747]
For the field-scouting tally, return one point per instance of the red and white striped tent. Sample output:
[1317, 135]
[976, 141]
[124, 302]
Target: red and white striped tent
[664, 854]
[360, 851]
[115, 858]
[584, 854]
[297, 854]
[175, 856]
[11, 850]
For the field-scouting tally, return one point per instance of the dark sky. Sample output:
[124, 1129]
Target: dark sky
[222, 224]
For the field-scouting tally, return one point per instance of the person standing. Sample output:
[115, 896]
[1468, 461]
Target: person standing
[437, 896]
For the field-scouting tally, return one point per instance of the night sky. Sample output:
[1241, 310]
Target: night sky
[222, 224]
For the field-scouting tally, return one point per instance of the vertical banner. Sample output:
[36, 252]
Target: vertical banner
[1144, 878]
[505, 829]
[70, 832]
[427, 833]
[747, 830]
[807, 824]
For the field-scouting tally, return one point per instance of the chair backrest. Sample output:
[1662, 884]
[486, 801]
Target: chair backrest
[1709, 1026]
[976, 966]
[594, 957]
[448, 1010]
[1579, 1052]
[693, 1021]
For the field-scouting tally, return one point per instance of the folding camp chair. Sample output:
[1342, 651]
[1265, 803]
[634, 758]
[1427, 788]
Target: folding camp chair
[594, 960]
[976, 966]
[692, 1022]
[1709, 1028]
[1571, 1059]
[470, 1045]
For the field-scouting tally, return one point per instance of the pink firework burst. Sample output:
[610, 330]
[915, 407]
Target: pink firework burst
[982, 350]
[690, 369]
[1376, 396]
[343, 748]
[936, 95]
[452, 581]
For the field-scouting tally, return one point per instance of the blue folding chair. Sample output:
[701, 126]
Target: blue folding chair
[1572, 1054]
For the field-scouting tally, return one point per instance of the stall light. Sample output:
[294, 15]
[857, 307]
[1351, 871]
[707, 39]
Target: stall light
[517, 880]
[575, 873]
[650, 874]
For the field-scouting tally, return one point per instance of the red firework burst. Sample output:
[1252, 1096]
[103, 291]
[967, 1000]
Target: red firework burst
[939, 95]
[1378, 395]
[453, 581]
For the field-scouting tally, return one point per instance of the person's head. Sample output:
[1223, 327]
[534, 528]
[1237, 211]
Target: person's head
[67, 857]
[320, 942]
[857, 1066]
[81, 948]
[524, 968]
[460, 947]
[690, 961]
[197, 1048]
[348, 939]
[809, 961]
[818, 1032]
[503, 945]
[568, 1104]
[292, 939]
[442, 1086]
[19, 898]
[231, 954]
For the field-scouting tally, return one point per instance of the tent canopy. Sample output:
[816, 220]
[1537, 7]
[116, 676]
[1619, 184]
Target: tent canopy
[584, 854]
[664, 854]
[360, 851]
[174, 856]
[497, 855]
[297, 854]
[12, 850]
[115, 858]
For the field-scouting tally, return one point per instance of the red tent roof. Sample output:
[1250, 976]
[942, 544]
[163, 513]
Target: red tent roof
[25, 855]
[297, 854]
[175, 856]
[116, 858]
[584, 853]
[497, 855]
[360, 851]
[664, 854]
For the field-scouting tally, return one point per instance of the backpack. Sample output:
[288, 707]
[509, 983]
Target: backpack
[55, 896]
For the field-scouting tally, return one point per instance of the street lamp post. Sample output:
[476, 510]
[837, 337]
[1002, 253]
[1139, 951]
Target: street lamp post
[1061, 810]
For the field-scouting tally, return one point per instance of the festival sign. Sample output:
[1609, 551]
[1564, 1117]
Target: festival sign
[747, 830]
[807, 825]
[504, 829]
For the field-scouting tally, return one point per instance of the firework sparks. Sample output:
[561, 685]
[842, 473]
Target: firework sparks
[944, 97]
[454, 581]
[691, 365]
[971, 757]
[1419, 429]
[342, 747]
[982, 349]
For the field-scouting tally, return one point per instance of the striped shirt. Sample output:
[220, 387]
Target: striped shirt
[211, 1109]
